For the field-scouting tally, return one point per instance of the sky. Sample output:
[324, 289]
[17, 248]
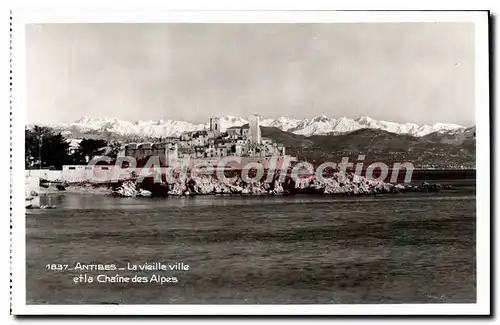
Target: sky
[402, 72]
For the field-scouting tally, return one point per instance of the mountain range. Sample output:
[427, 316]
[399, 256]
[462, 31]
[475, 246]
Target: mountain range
[454, 149]
[442, 146]
[321, 125]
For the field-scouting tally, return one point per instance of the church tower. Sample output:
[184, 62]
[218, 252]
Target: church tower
[254, 125]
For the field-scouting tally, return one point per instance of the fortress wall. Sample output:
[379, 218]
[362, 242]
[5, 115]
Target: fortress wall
[50, 175]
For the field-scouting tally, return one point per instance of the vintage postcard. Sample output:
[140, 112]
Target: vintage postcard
[277, 163]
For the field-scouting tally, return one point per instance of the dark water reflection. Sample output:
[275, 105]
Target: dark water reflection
[404, 248]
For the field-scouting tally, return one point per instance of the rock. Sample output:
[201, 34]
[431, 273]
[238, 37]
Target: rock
[339, 183]
[144, 193]
[125, 189]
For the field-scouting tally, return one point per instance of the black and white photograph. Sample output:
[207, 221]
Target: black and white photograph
[226, 162]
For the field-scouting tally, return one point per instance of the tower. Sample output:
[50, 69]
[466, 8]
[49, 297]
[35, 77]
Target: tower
[215, 126]
[254, 126]
[171, 153]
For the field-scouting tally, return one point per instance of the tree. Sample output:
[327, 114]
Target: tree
[55, 151]
[44, 149]
[31, 149]
[88, 149]
[114, 148]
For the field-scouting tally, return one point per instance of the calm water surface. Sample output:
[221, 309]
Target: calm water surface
[404, 248]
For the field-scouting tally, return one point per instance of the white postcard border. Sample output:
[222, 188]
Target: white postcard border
[21, 18]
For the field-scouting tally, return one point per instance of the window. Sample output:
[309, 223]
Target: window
[71, 168]
[104, 168]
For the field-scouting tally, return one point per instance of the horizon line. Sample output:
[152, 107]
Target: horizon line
[262, 117]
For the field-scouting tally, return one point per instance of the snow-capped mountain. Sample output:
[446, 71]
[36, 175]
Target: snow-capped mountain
[316, 126]
[227, 122]
[282, 123]
[138, 128]
[327, 125]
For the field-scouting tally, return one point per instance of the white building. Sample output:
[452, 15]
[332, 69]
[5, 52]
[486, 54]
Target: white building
[245, 140]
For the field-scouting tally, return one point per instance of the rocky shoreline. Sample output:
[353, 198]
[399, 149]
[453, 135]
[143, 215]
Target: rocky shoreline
[339, 184]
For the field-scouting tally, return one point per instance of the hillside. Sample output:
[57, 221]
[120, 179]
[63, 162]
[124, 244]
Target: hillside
[378, 145]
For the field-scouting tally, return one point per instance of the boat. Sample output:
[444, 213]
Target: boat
[47, 207]
[33, 206]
